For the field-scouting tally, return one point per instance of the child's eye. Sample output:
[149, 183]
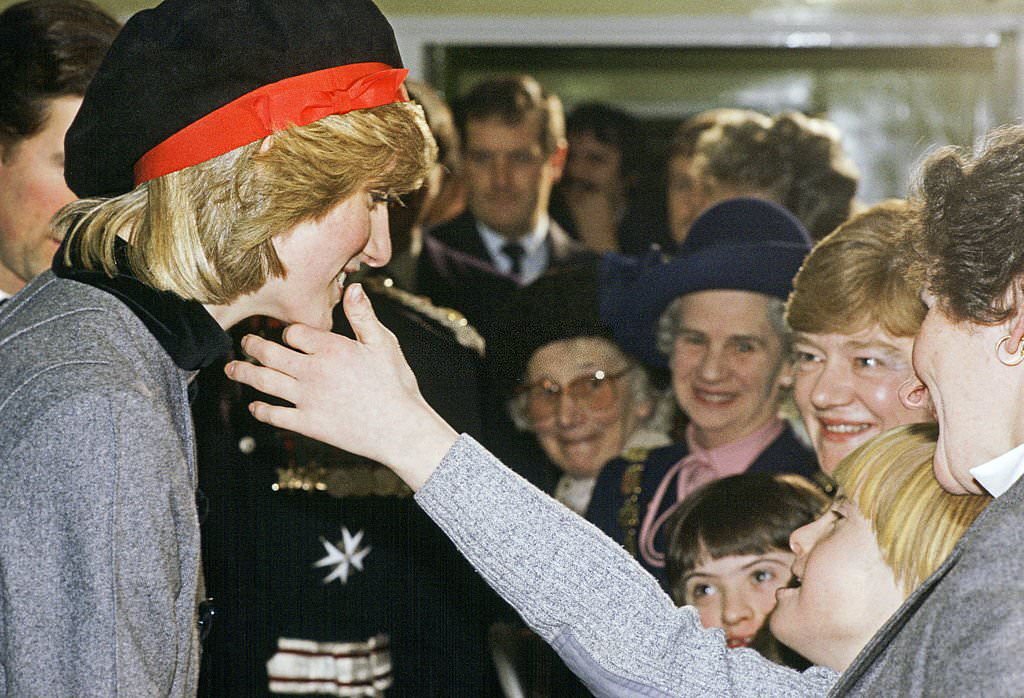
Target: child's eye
[762, 576]
[868, 362]
[699, 591]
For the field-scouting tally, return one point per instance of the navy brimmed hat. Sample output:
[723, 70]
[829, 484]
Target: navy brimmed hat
[741, 244]
[190, 80]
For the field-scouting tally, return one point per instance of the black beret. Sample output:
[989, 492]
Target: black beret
[183, 59]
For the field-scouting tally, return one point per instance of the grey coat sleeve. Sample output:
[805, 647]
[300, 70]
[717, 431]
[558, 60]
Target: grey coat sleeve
[607, 618]
[97, 495]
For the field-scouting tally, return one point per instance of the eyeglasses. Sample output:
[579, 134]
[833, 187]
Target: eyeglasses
[593, 391]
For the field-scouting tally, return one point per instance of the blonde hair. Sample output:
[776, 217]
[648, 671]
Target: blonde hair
[916, 522]
[205, 232]
[853, 279]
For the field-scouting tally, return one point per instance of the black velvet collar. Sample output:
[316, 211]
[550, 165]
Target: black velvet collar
[186, 331]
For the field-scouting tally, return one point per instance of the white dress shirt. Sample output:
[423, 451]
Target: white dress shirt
[535, 258]
[1000, 473]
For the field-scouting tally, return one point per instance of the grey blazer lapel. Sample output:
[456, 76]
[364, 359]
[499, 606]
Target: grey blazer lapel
[884, 637]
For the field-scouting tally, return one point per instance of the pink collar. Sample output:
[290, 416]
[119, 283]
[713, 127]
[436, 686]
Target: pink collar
[734, 457]
[700, 466]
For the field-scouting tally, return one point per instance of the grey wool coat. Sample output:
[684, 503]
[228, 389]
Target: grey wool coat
[958, 635]
[99, 537]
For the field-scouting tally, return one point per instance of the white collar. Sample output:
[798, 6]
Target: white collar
[1000, 473]
[531, 242]
[4, 295]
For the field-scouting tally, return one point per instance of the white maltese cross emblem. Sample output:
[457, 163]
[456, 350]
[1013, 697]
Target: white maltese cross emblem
[350, 556]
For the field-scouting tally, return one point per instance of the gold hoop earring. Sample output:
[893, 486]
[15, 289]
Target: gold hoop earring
[999, 353]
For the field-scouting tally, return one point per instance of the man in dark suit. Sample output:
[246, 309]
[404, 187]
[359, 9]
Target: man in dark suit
[514, 150]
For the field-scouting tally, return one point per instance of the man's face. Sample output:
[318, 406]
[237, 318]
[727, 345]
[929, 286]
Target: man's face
[508, 176]
[593, 166]
[32, 189]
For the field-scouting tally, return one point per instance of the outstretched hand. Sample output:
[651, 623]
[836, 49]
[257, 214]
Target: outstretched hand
[359, 395]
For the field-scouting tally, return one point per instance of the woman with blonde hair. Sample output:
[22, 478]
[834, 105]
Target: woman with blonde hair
[853, 313]
[234, 159]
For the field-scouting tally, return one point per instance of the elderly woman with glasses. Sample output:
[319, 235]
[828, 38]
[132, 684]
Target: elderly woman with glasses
[719, 318]
[581, 395]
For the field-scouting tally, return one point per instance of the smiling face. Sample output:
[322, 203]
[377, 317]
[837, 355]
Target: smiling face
[508, 175]
[737, 592]
[968, 387]
[843, 590]
[580, 438]
[727, 364]
[847, 389]
[317, 254]
[32, 189]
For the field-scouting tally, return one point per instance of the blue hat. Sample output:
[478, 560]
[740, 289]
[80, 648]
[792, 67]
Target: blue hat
[740, 244]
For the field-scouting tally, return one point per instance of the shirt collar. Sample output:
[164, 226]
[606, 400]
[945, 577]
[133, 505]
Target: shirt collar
[735, 457]
[1000, 473]
[184, 328]
[531, 242]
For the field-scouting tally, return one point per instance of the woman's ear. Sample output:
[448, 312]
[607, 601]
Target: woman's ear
[914, 395]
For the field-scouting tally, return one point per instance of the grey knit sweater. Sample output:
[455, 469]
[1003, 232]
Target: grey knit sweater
[606, 616]
[99, 538]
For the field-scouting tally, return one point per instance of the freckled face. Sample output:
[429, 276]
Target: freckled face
[727, 364]
[32, 190]
[316, 253]
[843, 593]
[737, 592]
[847, 389]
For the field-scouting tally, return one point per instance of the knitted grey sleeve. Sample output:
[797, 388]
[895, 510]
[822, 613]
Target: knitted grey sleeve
[605, 615]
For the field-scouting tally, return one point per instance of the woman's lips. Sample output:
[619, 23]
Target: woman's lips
[838, 430]
[714, 398]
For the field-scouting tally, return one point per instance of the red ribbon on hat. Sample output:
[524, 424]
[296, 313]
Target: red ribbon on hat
[294, 101]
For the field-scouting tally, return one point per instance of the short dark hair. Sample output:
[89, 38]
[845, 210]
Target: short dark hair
[48, 49]
[971, 250]
[613, 127]
[748, 514]
[512, 99]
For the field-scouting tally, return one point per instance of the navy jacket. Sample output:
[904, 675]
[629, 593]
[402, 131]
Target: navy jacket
[784, 455]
